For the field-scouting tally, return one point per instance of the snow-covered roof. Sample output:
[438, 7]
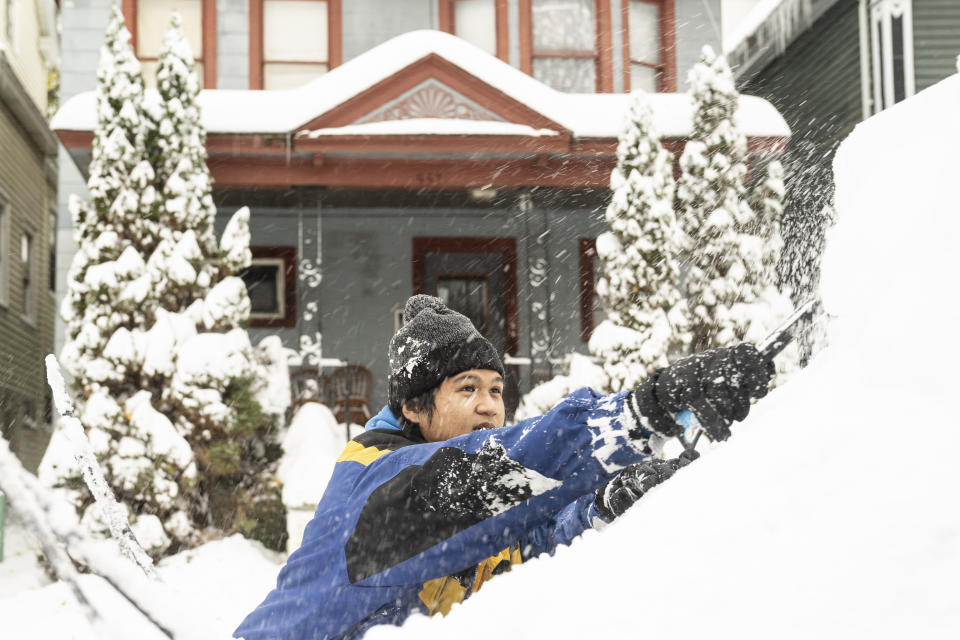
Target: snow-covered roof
[430, 126]
[287, 111]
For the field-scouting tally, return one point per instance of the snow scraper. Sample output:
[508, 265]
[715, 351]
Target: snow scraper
[770, 346]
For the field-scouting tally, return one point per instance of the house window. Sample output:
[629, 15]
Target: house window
[26, 257]
[648, 45]
[271, 284]
[148, 21]
[566, 43]
[4, 250]
[52, 253]
[13, 7]
[292, 41]
[890, 25]
[479, 22]
[591, 309]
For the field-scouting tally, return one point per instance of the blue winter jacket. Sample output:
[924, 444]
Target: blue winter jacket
[406, 525]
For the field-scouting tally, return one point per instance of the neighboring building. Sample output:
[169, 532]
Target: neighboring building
[28, 200]
[826, 65]
[381, 161]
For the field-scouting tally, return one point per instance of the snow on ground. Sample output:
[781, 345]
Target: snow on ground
[219, 582]
[832, 511]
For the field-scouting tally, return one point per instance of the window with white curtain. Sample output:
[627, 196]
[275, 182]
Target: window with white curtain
[890, 37]
[153, 21]
[295, 42]
[26, 255]
[476, 22]
[564, 44]
[643, 42]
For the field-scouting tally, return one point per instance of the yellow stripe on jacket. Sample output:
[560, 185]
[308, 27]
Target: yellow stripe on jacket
[440, 594]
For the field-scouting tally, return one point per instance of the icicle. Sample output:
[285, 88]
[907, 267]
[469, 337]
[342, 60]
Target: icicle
[93, 475]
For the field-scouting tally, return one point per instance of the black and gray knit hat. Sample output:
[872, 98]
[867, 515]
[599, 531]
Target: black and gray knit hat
[434, 343]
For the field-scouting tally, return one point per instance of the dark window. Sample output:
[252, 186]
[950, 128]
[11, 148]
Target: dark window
[271, 281]
[265, 287]
[53, 252]
[26, 254]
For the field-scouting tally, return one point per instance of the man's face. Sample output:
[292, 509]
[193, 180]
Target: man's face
[469, 401]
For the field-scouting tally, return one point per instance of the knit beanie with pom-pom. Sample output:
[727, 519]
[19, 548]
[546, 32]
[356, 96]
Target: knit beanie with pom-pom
[434, 343]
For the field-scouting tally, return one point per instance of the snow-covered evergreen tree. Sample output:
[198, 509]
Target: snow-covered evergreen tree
[646, 316]
[168, 387]
[730, 246]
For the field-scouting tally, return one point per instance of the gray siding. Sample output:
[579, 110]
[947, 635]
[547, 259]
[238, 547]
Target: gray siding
[936, 40]
[25, 339]
[816, 84]
[367, 254]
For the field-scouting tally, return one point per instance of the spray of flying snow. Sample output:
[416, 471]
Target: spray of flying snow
[92, 474]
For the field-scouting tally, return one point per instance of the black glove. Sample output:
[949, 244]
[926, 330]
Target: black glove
[629, 485]
[716, 385]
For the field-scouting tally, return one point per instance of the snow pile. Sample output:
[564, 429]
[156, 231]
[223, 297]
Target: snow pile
[311, 447]
[214, 585]
[827, 514]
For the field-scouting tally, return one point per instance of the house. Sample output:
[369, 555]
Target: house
[28, 212]
[827, 65]
[458, 148]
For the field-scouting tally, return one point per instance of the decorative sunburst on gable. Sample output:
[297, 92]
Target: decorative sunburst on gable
[430, 99]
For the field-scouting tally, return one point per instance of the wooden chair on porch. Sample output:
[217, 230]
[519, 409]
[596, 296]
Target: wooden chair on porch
[308, 385]
[350, 389]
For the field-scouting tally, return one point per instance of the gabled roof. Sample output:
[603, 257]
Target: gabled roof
[458, 117]
[361, 86]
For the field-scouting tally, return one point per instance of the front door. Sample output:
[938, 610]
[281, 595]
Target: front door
[478, 278]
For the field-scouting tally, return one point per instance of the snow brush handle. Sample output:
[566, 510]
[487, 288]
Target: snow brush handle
[769, 347]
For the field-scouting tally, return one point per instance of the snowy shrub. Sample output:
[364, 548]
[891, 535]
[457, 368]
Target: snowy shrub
[638, 288]
[733, 238]
[167, 378]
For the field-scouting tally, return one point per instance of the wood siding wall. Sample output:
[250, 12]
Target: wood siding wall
[816, 83]
[936, 40]
[24, 342]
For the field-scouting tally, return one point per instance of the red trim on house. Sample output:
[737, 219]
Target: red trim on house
[435, 143]
[525, 26]
[267, 160]
[667, 80]
[208, 18]
[505, 246]
[587, 249]
[289, 256]
[435, 67]
[503, 31]
[394, 173]
[602, 53]
[334, 38]
[604, 46]
[255, 54]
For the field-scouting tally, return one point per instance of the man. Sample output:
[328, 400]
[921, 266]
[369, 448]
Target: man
[437, 496]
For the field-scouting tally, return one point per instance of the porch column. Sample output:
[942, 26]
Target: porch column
[539, 288]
